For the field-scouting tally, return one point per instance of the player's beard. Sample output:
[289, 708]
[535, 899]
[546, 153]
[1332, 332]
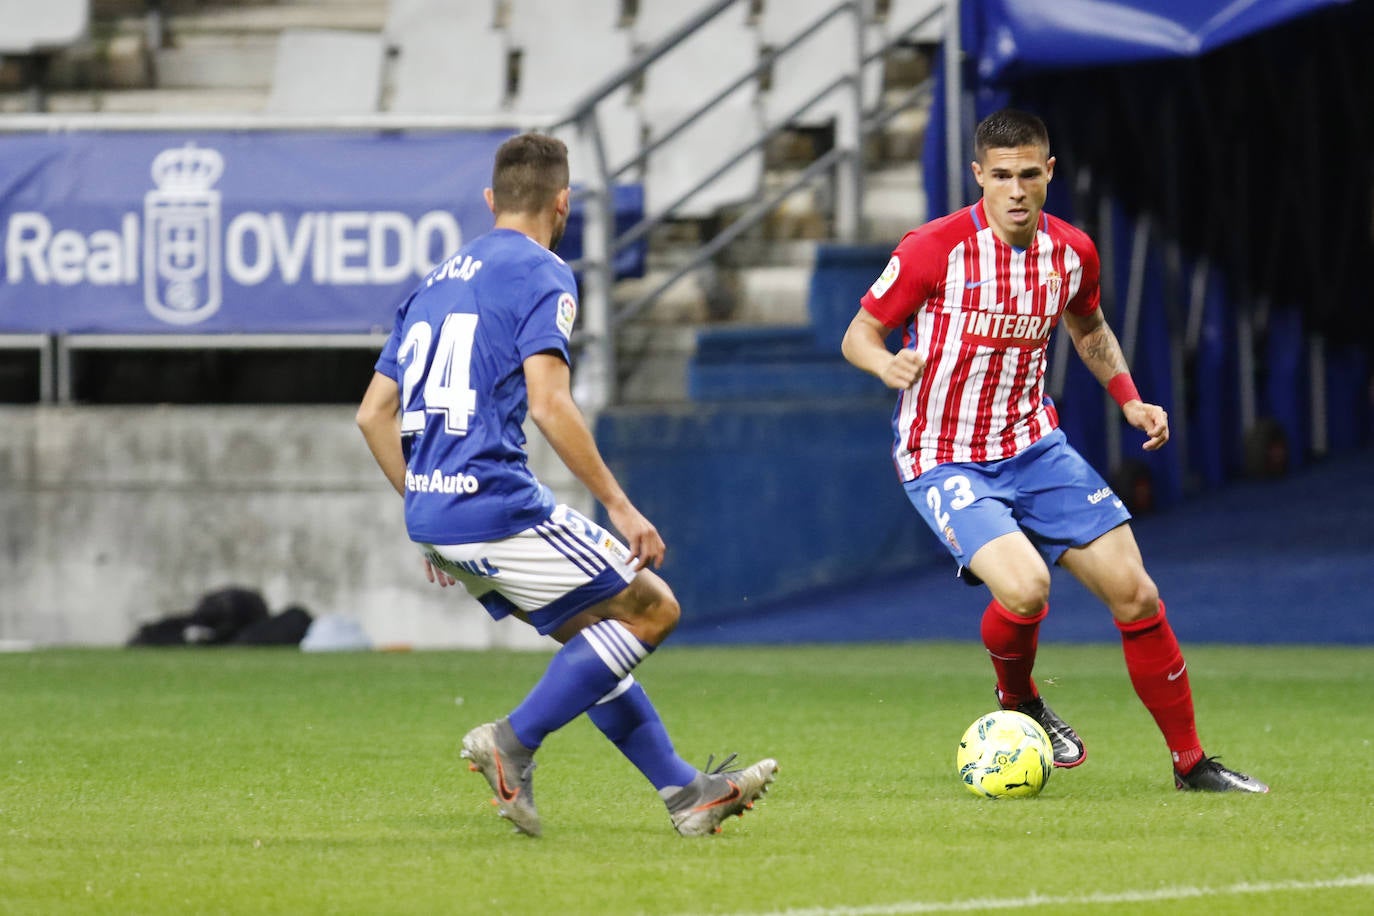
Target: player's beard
[560, 224]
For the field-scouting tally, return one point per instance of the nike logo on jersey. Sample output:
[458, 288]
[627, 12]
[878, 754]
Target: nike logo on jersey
[976, 283]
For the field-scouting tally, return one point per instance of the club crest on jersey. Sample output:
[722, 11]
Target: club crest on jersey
[567, 313]
[888, 277]
[953, 541]
[1054, 282]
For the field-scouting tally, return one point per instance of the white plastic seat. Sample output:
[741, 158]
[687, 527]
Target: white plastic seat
[804, 70]
[902, 14]
[449, 69]
[557, 69]
[621, 130]
[570, 20]
[654, 19]
[702, 65]
[684, 79]
[704, 146]
[29, 26]
[449, 58]
[325, 71]
[407, 18]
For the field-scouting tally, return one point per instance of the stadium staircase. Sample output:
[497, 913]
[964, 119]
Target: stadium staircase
[762, 321]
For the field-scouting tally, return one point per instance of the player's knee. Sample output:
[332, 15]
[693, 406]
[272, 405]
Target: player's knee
[658, 613]
[1140, 602]
[1027, 596]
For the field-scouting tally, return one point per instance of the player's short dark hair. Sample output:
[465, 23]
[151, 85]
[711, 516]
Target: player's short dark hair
[1007, 129]
[529, 171]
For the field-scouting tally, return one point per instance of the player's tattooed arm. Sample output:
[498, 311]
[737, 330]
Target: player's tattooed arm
[1097, 346]
[1100, 351]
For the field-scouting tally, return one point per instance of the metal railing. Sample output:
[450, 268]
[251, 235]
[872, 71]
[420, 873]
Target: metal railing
[842, 164]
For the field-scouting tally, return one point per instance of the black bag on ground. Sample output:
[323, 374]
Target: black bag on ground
[285, 629]
[221, 615]
[169, 631]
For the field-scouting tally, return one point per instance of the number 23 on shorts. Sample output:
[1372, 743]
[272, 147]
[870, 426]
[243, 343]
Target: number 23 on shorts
[960, 495]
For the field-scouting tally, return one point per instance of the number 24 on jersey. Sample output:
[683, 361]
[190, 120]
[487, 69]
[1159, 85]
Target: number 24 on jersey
[446, 372]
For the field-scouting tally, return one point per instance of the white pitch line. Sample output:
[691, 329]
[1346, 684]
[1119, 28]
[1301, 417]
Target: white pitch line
[1011, 903]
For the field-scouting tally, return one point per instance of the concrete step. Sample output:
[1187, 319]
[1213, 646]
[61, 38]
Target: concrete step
[652, 362]
[253, 19]
[217, 61]
[235, 47]
[144, 101]
[894, 202]
[773, 295]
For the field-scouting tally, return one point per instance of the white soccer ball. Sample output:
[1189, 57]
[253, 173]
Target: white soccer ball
[1005, 754]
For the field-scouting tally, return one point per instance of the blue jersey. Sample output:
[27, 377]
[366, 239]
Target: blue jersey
[456, 352]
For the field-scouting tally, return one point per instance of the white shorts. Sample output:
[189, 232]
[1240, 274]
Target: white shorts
[551, 571]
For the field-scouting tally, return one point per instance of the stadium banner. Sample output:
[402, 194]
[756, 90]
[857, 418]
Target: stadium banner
[230, 232]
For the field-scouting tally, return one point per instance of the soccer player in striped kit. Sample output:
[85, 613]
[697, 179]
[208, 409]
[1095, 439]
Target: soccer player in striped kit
[481, 342]
[977, 447]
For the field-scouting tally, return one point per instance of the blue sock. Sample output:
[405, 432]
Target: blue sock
[629, 719]
[586, 669]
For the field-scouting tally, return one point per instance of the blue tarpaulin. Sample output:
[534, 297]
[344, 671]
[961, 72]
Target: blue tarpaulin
[1011, 38]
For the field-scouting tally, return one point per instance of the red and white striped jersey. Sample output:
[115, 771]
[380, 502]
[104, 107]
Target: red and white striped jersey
[981, 313]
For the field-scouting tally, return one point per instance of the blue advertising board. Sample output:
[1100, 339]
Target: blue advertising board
[234, 231]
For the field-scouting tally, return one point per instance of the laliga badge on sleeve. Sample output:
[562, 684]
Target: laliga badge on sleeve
[889, 276]
[567, 313]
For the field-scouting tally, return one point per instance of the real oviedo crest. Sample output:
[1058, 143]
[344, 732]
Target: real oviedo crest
[181, 232]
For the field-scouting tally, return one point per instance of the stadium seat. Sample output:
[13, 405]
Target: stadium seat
[684, 79]
[33, 32]
[703, 64]
[705, 145]
[559, 66]
[326, 71]
[405, 18]
[27, 26]
[817, 60]
[553, 78]
[620, 133]
[902, 14]
[528, 20]
[445, 66]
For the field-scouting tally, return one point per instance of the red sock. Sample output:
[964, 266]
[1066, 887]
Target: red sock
[1011, 640]
[1160, 677]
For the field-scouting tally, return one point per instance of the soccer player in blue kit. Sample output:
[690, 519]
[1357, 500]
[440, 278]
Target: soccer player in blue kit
[481, 342]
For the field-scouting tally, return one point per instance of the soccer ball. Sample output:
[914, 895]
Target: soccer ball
[1005, 754]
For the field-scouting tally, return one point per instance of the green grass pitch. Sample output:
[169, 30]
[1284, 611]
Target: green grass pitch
[268, 781]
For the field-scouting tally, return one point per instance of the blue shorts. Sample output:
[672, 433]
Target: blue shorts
[1048, 492]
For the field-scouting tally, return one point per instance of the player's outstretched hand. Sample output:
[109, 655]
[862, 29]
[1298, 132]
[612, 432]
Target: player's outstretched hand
[1150, 419]
[906, 367]
[438, 576]
[646, 546]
